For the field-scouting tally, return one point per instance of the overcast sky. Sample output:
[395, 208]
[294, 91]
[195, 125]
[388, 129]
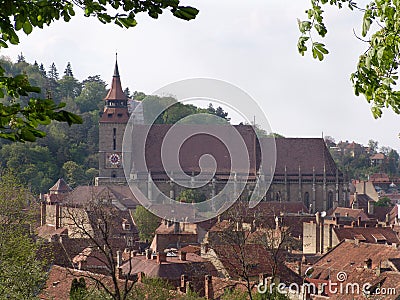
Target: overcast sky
[251, 44]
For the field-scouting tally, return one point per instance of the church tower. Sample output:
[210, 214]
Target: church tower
[112, 125]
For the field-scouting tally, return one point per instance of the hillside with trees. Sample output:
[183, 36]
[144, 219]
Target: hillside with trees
[359, 161]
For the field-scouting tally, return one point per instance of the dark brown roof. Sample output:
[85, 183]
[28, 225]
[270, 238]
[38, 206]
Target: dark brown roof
[60, 186]
[116, 92]
[362, 200]
[194, 147]
[308, 154]
[380, 213]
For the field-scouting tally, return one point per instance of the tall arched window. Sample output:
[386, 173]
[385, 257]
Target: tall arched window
[330, 200]
[307, 200]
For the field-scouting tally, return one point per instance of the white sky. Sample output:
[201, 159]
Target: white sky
[251, 44]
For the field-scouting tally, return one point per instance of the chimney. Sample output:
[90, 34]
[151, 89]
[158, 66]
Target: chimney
[371, 207]
[188, 287]
[176, 227]
[208, 287]
[299, 267]
[387, 219]
[57, 216]
[262, 278]
[183, 281]
[359, 222]
[182, 255]
[42, 213]
[161, 257]
[119, 259]
[148, 253]
[364, 187]
[140, 276]
[354, 205]
[204, 248]
[367, 263]
[318, 218]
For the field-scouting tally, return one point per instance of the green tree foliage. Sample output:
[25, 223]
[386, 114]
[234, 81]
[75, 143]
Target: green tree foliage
[191, 196]
[384, 201]
[93, 91]
[146, 223]
[21, 58]
[152, 288]
[22, 273]
[39, 164]
[68, 70]
[376, 72]
[78, 289]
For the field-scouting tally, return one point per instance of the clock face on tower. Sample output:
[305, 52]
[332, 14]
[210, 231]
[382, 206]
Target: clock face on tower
[113, 160]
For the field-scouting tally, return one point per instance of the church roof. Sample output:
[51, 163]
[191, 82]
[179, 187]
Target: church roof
[116, 92]
[308, 154]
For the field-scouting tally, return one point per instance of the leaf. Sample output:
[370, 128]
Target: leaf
[27, 27]
[186, 12]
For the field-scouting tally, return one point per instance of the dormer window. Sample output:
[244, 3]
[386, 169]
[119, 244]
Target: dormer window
[119, 115]
[109, 115]
[126, 225]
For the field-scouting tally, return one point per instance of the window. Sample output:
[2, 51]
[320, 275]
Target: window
[109, 115]
[307, 200]
[330, 200]
[114, 138]
[126, 226]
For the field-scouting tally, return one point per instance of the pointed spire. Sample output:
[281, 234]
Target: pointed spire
[116, 92]
[116, 71]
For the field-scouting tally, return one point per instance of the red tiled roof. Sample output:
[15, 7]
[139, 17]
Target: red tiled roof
[371, 234]
[191, 249]
[350, 257]
[256, 257]
[116, 92]
[48, 231]
[353, 213]
[378, 156]
[84, 194]
[379, 177]
[59, 281]
[171, 269]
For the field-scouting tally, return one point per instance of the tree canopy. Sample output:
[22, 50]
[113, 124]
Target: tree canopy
[376, 74]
